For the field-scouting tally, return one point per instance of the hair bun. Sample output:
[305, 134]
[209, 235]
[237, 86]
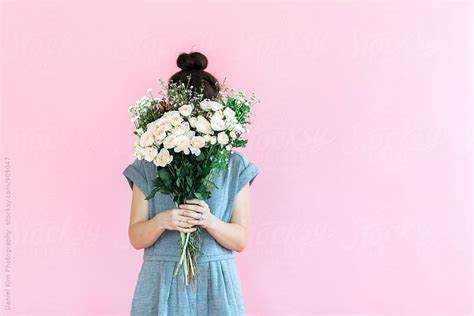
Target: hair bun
[192, 61]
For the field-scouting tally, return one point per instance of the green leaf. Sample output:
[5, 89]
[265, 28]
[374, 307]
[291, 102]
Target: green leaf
[199, 195]
[201, 157]
[165, 175]
[189, 180]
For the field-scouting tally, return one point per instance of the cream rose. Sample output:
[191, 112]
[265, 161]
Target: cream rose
[204, 104]
[147, 139]
[168, 142]
[203, 125]
[182, 143]
[150, 127]
[186, 109]
[207, 105]
[181, 129]
[149, 153]
[139, 152]
[165, 122]
[215, 106]
[190, 134]
[198, 142]
[217, 122]
[159, 133]
[192, 121]
[163, 158]
[175, 118]
[229, 113]
[222, 138]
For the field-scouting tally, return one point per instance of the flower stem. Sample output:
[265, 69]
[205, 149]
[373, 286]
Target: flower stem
[183, 252]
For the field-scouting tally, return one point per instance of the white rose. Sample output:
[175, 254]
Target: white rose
[215, 106]
[204, 104]
[229, 125]
[147, 139]
[165, 122]
[203, 125]
[181, 129]
[139, 152]
[198, 142]
[207, 105]
[182, 143]
[186, 109]
[232, 134]
[217, 122]
[192, 121]
[168, 142]
[159, 133]
[229, 113]
[190, 134]
[150, 153]
[175, 118]
[212, 139]
[163, 158]
[151, 126]
[222, 138]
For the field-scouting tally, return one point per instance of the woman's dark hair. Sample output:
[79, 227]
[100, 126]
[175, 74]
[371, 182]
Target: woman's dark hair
[194, 64]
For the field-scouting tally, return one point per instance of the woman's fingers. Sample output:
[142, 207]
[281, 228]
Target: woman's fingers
[195, 222]
[196, 212]
[187, 230]
[191, 207]
[197, 201]
[182, 221]
[191, 214]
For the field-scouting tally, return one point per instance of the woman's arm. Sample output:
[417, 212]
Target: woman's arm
[144, 232]
[233, 235]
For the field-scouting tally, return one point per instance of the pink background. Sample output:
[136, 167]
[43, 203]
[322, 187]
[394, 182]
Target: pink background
[363, 138]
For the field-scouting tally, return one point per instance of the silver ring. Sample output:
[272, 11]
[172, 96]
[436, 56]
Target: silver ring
[200, 217]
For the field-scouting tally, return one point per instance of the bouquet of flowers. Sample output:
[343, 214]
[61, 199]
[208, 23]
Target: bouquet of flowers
[189, 138]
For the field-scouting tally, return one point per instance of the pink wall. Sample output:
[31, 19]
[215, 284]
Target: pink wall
[363, 139]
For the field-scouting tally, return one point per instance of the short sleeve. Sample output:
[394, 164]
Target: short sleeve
[135, 173]
[248, 171]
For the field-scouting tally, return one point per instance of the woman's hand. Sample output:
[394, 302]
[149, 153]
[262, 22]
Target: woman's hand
[173, 219]
[197, 212]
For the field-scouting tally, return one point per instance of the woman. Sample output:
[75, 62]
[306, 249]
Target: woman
[155, 226]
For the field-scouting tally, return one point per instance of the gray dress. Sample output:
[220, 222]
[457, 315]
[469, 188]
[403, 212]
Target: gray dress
[218, 292]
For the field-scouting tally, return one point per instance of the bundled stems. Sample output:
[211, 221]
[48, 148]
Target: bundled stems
[186, 257]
